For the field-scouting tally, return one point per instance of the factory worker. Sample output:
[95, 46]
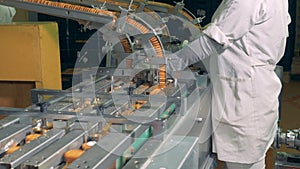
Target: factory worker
[6, 14]
[243, 43]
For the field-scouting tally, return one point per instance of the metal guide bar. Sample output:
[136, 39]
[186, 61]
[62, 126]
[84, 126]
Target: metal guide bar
[177, 152]
[94, 3]
[141, 156]
[153, 6]
[8, 121]
[38, 114]
[59, 12]
[53, 155]
[90, 83]
[28, 150]
[183, 154]
[12, 135]
[62, 115]
[134, 147]
[107, 150]
[37, 93]
[106, 5]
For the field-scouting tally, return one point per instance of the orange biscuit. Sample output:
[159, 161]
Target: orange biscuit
[12, 149]
[31, 137]
[72, 155]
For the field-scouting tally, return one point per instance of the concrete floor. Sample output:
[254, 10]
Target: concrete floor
[290, 117]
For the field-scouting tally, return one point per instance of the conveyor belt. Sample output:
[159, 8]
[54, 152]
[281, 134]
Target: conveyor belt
[28, 150]
[155, 42]
[137, 6]
[52, 155]
[78, 12]
[108, 150]
[64, 10]
[162, 76]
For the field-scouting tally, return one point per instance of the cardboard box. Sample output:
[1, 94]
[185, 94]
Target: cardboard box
[29, 55]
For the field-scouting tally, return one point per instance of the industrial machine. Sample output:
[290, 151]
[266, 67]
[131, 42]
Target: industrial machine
[133, 113]
[290, 138]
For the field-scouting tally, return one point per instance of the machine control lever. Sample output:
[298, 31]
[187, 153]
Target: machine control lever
[43, 108]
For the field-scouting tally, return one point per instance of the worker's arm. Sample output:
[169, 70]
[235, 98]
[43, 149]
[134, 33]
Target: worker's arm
[197, 50]
[232, 20]
[6, 14]
[235, 18]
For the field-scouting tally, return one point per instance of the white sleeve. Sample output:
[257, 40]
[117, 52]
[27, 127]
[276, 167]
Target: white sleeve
[12, 11]
[6, 14]
[232, 20]
[197, 50]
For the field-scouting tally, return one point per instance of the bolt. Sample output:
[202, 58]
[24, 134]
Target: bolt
[199, 119]
[147, 60]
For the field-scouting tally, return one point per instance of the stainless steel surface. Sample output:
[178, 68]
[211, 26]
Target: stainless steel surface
[12, 134]
[107, 150]
[29, 149]
[53, 154]
[6, 121]
[111, 146]
[183, 155]
[137, 111]
[178, 152]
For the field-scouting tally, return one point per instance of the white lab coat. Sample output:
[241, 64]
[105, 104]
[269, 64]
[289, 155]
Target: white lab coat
[244, 41]
[6, 14]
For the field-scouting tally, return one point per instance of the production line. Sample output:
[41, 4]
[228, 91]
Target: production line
[132, 113]
[129, 114]
[113, 133]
